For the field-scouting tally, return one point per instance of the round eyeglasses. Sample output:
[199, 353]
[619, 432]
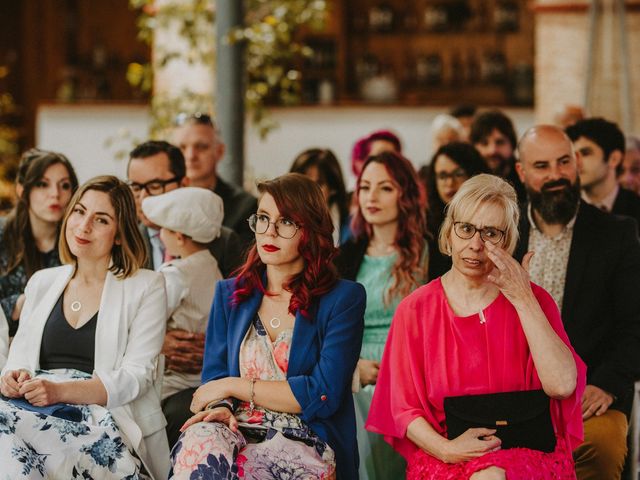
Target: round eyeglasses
[285, 228]
[466, 231]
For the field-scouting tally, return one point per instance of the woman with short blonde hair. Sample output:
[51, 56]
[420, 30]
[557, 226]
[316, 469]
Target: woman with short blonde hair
[468, 350]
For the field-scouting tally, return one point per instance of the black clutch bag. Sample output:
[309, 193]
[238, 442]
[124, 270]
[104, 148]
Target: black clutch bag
[522, 419]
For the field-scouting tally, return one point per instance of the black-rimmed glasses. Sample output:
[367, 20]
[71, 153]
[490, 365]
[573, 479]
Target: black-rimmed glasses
[458, 174]
[152, 187]
[285, 228]
[466, 231]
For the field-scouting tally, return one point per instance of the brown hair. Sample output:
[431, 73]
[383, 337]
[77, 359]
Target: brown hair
[18, 241]
[131, 253]
[410, 270]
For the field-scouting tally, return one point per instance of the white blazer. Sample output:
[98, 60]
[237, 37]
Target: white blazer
[129, 335]
[4, 339]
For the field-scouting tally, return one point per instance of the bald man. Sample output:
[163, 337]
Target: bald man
[590, 263]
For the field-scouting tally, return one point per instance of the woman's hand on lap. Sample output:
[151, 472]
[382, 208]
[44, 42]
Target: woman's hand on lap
[40, 392]
[210, 392]
[473, 443]
[218, 414]
[12, 381]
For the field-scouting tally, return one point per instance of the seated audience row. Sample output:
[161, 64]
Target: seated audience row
[269, 387]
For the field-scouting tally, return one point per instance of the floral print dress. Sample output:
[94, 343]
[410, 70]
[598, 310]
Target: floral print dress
[269, 444]
[81, 443]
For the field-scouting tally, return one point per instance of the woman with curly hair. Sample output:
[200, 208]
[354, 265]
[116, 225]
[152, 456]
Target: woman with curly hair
[29, 235]
[389, 256]
[282, 342]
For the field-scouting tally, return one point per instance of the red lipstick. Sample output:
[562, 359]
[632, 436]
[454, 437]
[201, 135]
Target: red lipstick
[270, 248]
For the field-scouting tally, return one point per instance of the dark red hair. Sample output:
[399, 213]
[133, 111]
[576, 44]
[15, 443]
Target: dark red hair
[408, 272]
[299, 199]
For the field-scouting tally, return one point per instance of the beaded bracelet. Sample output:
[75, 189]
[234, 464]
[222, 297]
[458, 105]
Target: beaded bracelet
[252, 404]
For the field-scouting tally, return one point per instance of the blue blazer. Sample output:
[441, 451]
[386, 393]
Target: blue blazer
[324, 353]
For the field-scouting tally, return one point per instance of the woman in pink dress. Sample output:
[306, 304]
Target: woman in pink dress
[481, 328]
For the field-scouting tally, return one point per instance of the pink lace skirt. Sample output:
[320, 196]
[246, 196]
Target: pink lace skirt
[518, 463]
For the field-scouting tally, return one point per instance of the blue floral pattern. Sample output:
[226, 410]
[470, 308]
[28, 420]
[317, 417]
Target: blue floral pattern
[30, 458]
[44, 446]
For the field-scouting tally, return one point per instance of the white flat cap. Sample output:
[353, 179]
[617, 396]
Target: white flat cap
[196, 212]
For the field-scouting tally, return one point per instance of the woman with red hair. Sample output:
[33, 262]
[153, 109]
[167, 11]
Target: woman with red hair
[389, 256]
[282, 343]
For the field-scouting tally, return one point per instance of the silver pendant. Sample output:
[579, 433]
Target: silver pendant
[275, 322]
[76, 306]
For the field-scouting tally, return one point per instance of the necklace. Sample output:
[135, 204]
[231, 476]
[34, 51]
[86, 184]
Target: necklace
[275, 322]
[76, 306]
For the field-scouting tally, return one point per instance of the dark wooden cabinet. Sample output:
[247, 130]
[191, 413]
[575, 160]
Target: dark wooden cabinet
[423, 52]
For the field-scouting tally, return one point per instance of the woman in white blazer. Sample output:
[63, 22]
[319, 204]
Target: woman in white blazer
[84, 357]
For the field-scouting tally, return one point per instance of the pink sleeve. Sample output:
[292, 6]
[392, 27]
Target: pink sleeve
[399, 396]
[567, 412]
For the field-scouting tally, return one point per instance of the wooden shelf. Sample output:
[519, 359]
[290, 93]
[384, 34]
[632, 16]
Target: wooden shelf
[464, 53]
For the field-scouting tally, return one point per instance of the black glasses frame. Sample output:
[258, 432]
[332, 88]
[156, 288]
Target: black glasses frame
[136, 187]
[482, 232]
[457, 174]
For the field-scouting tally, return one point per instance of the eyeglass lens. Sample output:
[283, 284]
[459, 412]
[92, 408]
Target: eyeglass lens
[284, 228]
[468, 230]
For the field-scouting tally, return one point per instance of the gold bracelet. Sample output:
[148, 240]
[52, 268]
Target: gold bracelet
[252, 404]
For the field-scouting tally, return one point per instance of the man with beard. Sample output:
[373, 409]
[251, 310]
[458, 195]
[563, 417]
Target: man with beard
[590, 263]
[493, 135]
[601, 146]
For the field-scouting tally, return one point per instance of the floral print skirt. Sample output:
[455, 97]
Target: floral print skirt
[212, 451]
[36, 445]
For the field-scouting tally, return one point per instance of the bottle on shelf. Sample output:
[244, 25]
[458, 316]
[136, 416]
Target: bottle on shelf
[506, 16]
[435, 17]
[493, 67]
[473, 68]
[457, 69]
[381, 18]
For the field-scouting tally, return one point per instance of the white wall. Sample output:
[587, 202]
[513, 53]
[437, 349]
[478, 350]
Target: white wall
[81, 132]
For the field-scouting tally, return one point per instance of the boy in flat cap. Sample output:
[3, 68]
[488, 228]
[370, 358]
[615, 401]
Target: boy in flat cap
[190, 218]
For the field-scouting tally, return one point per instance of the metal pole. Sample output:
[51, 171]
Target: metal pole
[625, 100]
[591, 45]
[230, 90]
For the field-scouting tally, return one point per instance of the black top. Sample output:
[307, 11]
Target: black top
[66, 347]
[12, 285]
[238, 206]
[627, 203]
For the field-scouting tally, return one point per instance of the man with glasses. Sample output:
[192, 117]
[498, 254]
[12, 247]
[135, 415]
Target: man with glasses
[198, 139]
[589, 261]
[156, 167]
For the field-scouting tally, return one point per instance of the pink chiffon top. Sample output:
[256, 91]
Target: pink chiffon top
[431, 354]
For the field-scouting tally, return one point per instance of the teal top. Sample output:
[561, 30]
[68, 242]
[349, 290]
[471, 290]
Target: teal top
[375, 276]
